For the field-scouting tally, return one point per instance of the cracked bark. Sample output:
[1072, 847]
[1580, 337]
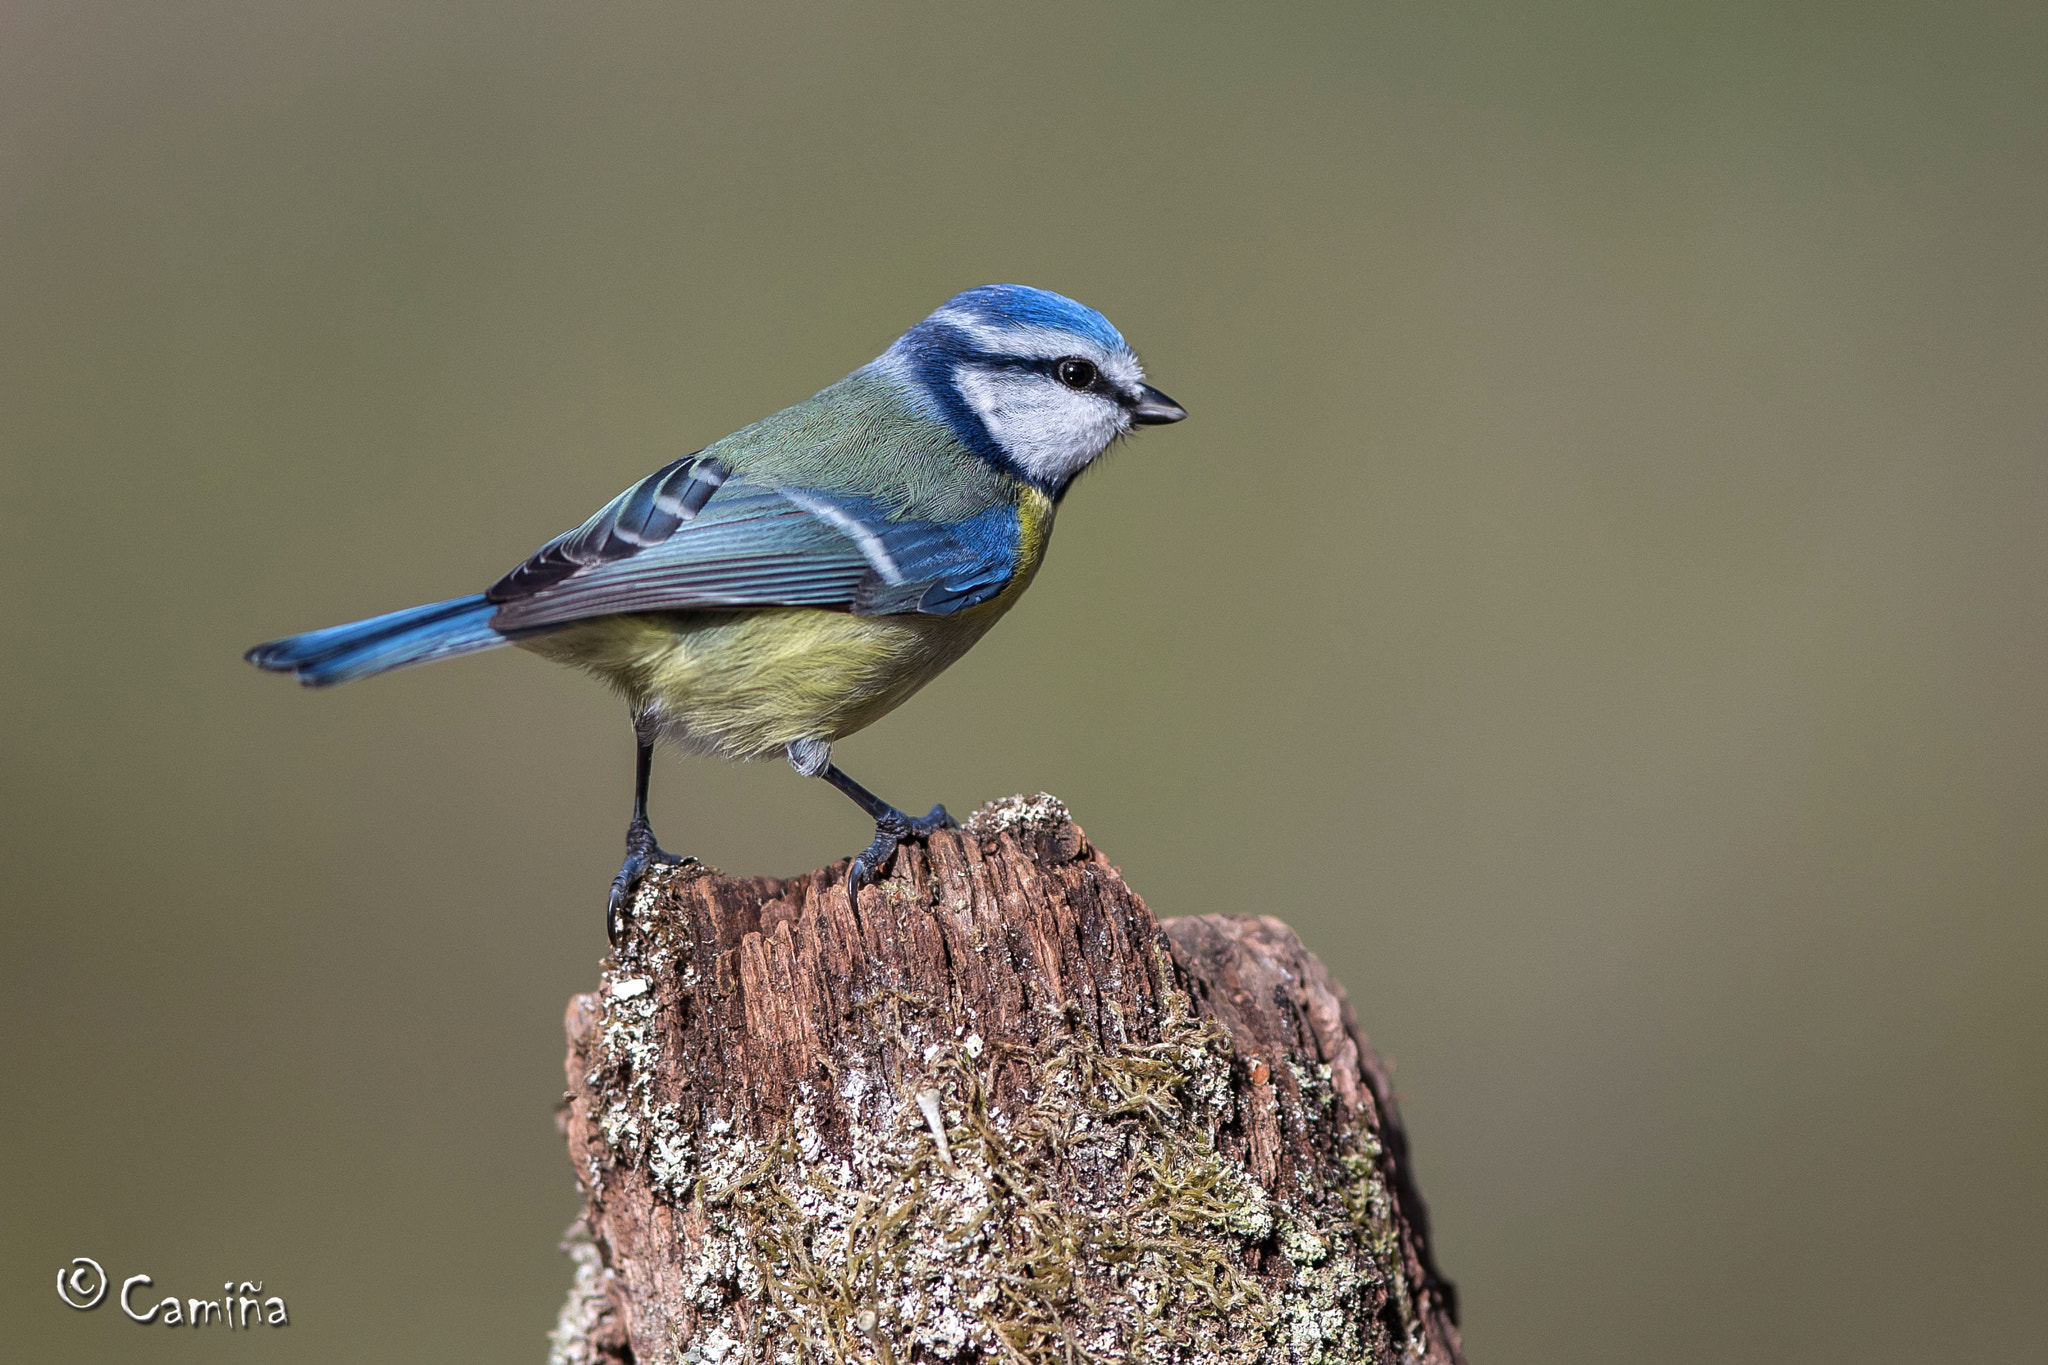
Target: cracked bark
[994, 1111]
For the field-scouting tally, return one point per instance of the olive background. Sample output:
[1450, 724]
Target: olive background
[1598, 598]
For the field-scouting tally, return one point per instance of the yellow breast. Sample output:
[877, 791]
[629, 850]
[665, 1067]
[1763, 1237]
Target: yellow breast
[745, 683]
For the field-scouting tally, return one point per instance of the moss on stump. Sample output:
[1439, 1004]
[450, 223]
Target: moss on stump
[991, 1112]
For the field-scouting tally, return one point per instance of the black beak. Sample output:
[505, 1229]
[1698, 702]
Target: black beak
[1154, 409]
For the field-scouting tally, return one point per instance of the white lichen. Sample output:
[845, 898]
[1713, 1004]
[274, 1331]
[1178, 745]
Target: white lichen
[569, 1343]
[1015, 813]
[1095, 1216]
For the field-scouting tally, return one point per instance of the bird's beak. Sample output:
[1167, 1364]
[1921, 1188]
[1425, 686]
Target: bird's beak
[1155, 409]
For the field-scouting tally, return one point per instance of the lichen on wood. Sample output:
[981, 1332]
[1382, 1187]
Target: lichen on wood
[990, 1112]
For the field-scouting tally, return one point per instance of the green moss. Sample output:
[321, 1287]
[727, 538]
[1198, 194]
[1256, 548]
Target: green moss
[1097, 1221]
[1100, 1215]
[1092, 1216]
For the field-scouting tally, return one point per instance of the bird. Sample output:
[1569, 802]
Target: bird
[790, 584]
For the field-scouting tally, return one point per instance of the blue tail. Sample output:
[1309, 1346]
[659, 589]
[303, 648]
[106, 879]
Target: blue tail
[341, 654]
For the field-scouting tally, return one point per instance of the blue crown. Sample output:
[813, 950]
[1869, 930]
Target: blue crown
[1017, 305]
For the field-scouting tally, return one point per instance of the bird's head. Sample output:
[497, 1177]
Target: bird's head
[1028, 379]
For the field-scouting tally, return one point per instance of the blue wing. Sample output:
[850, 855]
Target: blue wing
[692, 537]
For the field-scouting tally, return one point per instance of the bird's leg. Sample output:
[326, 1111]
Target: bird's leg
[813, 758]
[641, 850]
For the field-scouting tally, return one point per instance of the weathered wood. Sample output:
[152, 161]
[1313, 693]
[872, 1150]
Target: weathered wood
[992, 1112]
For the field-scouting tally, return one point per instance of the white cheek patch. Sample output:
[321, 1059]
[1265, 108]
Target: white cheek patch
[1051, 431]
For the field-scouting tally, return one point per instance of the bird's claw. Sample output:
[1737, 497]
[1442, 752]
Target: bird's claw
[642, 853]
[890, 832]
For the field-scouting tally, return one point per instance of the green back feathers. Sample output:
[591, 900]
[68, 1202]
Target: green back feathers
[862, 436]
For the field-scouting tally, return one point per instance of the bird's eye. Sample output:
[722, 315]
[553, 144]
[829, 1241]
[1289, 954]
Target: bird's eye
[1075, 372]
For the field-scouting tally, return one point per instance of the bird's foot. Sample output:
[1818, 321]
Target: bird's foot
[890, 832]
[642, 853]
[932, 822]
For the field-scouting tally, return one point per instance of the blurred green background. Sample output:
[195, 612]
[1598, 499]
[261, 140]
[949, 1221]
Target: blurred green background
[1599, 600]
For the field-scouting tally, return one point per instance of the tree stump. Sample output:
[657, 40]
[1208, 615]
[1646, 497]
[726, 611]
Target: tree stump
[990, 1112]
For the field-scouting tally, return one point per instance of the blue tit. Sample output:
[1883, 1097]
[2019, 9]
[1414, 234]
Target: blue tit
[798, 580]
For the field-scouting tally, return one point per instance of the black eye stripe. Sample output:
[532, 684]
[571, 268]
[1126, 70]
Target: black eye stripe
[1048, 367]
[962, 351]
